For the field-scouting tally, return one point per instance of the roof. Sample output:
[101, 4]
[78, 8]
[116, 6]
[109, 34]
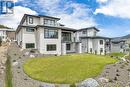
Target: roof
[117, 40]
[6, 29]
[89, 28]
[95, 37]
[25, 15]
[59, 27]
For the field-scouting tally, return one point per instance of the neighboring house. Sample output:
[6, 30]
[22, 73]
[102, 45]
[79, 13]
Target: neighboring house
[45, 34]
[5, 34]
[91, 43]
[119, 45]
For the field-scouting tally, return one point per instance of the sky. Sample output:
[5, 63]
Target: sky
[111, 17]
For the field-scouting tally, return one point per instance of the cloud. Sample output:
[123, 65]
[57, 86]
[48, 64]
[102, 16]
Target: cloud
[72, 14]
[102, 1]
[117, 8]
[14, 19]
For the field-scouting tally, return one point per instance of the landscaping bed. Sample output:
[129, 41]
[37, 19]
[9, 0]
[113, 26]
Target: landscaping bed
[66, 69]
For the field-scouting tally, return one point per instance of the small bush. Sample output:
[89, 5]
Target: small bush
[128, 70]
[115, 78]
[72, 85]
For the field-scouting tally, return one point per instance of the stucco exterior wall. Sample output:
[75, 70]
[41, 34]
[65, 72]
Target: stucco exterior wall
[44, 42]
[28, 37]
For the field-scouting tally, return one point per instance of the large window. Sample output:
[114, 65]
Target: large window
[30, 20]
[30, 29]
[30, 45]
[51, 33]
[66, 36]
[51, 47]
[101, 42]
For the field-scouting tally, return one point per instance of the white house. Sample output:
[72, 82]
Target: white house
[119, 45]
[91, 43]
[45, 34]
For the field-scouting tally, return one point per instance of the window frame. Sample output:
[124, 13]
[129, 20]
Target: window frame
[27, 47]
[27, 29]
[48, 32]
[68, 47]
[101, 42]
[30, 20]
[53, 47]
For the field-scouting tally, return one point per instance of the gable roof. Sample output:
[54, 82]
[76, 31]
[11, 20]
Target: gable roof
[88, 28]
[95, 37]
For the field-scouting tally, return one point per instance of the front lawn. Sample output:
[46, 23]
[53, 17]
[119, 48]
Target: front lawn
[66, 69]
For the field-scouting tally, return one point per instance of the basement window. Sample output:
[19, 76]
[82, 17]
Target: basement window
[51, 47]
[30, 45]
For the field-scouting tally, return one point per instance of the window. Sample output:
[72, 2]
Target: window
[30, 20]
[46, 21]
[51, 33]
[49, 22]
[101, 42]
[51, 47]
[52, 22]
[91, 50]
[68, 46]
[66, 36]
[84, 32]
[101, 50]
[30, 29]
[30, 45]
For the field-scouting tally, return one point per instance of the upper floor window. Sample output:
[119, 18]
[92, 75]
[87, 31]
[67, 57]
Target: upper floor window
[84, 32]
[30, 29]
[49, 22]
[101, 42]
[66, 36]
[30, 20]
[51, 33]
[46, 21]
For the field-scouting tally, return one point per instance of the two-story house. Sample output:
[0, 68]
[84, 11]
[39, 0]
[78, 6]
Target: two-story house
[91, 43]
[45, 34]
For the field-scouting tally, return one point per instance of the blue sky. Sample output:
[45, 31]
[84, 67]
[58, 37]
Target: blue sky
[110, 16]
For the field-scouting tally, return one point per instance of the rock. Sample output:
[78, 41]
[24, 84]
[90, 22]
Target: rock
[47, 85]
[15, 63]
[103, 80]
[21, 50]
[27, 53]
[89, 83]
[32, 56]
[123, 59]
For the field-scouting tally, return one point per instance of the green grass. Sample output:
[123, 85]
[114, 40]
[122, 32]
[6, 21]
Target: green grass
[66, 69]
[8, 76]
[117, 54]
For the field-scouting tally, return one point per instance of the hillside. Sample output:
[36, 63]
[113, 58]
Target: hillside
[2, 26]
